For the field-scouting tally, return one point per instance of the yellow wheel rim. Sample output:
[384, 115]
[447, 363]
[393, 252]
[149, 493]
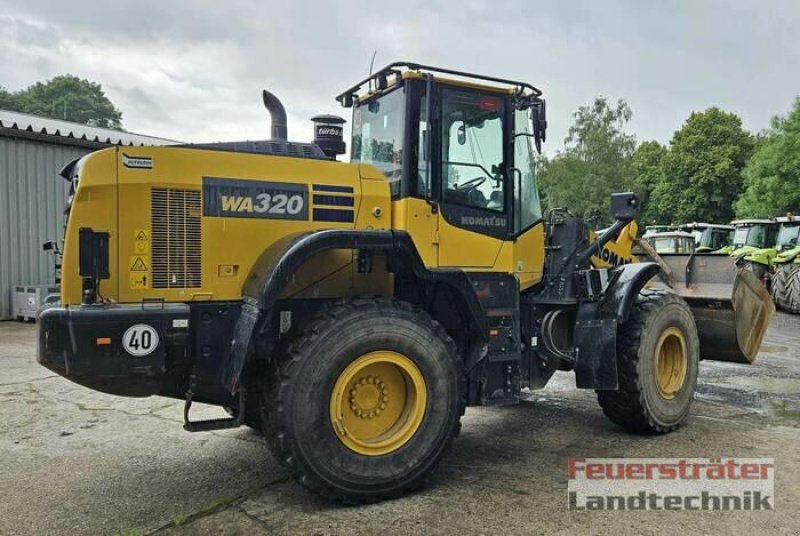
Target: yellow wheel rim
[671, 363]
[378, 403]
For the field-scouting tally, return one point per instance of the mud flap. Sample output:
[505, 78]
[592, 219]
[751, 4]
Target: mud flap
[240, 346]
[596, 353]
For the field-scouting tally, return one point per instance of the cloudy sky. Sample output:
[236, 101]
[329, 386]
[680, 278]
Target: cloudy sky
[193, 70]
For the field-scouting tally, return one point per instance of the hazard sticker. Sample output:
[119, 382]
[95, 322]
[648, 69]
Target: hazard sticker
[141, 241]
[139, 263]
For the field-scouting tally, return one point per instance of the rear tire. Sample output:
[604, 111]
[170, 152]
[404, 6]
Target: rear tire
[789, 298]
[657, 363]
[365, 401]
[778, 288]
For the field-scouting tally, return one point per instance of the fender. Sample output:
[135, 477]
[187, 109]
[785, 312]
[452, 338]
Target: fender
[272, 271]
[596, 326]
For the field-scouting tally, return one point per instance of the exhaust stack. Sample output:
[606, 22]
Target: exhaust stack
[277, 114]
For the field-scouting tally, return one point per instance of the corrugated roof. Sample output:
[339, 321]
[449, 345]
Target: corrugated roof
[45, 126]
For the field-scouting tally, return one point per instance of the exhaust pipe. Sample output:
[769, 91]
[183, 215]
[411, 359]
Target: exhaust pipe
[277, 114]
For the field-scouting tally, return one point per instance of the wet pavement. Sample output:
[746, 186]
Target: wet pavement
[75, 462]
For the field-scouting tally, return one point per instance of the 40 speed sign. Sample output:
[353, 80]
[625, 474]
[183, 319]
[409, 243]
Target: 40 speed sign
[140, 340]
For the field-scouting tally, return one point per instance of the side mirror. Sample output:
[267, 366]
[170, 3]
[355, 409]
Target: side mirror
[539, 120]
[462, 134]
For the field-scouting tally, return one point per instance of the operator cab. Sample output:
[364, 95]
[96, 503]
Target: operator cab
[754, 233]
[788, 233]
[463, 142]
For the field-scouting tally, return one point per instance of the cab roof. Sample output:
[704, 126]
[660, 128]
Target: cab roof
[671, 234]
[787, 219]
[704, 225]
[753, 222]
[393, 73]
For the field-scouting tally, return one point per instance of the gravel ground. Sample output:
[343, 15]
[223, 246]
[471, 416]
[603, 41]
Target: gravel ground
[79, 462]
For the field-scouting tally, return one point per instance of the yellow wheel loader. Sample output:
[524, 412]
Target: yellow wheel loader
[351, 311]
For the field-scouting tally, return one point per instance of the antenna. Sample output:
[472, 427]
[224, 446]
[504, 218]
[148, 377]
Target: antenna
[371, 63]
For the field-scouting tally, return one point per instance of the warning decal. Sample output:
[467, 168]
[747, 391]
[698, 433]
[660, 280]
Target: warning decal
[138, 264]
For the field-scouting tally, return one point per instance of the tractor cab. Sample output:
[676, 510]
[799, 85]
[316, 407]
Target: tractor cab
[750, 236]
[462, 143]
[788, 233]
[709, 236]
[671, 242]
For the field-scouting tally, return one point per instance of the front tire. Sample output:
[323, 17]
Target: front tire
[657, 363]
[365, 400]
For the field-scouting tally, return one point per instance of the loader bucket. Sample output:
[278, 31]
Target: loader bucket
[731, 306]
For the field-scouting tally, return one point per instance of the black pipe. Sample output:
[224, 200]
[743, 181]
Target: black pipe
[277, 114]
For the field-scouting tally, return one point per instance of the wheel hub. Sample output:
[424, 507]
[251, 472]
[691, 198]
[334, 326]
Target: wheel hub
[672, 363]
[368, 397]
[378, 403]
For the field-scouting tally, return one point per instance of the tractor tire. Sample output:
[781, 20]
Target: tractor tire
[789, 299]
[778, 287]
[658, 356]
[365, 401]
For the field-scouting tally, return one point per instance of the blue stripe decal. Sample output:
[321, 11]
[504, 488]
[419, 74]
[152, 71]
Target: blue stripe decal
[331, 188]
[331, 214]
[333, 200]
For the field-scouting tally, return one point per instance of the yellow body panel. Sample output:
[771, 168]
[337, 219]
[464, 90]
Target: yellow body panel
[415, 216]
[466, 249]
[95, 206]
[117, 199]
[529, 256]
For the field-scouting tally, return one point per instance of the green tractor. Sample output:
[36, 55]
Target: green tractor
[753, 246]
[709, 236]
[786, 266]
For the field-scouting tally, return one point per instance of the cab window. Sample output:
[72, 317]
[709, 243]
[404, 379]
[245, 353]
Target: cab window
[378, 135]
[471, 133]
[527, 207]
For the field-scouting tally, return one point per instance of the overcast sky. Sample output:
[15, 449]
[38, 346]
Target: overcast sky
[193, 71]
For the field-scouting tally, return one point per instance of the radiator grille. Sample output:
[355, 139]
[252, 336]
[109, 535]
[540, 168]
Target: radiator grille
[175, 238]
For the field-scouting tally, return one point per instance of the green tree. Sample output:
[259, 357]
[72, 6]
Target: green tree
[703, 168]
[594, 163]
[66, 97]
[772, 176]
[647, 164]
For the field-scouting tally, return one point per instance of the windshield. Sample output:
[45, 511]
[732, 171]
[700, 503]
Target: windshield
[788, 235]
[378, 134]
[672, 244]
[753, 235]
[698, 236]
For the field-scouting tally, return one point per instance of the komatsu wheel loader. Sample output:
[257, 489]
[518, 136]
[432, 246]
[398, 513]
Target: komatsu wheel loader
[351, 311]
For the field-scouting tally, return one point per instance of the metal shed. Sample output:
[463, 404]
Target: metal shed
[32, 152]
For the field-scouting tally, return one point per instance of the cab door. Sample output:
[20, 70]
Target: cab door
[472, 149]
